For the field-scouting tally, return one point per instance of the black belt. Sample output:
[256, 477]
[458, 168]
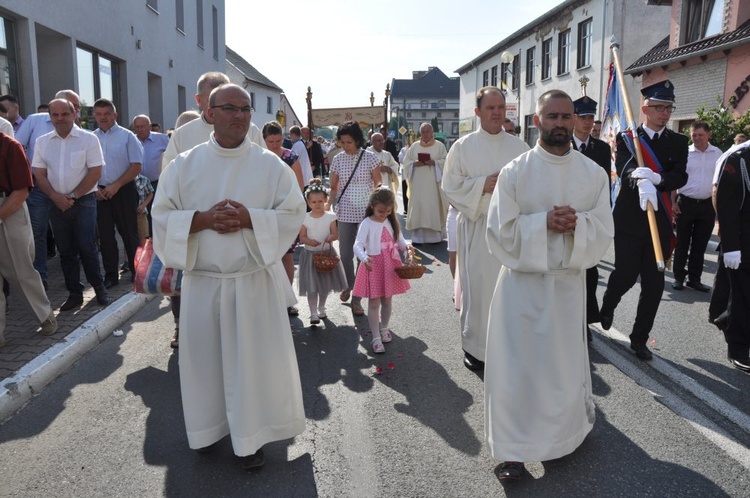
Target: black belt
[694, 201]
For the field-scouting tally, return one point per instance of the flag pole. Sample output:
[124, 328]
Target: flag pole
[650, 212]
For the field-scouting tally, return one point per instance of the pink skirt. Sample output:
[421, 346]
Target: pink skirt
[382, 280]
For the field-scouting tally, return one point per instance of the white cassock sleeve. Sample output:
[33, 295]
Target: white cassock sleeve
[463, 191]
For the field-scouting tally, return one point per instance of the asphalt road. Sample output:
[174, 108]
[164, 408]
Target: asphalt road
[408, 423]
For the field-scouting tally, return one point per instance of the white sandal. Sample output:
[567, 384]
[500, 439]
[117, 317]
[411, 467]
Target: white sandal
[385, 335]
[377, 346]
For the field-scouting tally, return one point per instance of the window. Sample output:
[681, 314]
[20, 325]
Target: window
[585, 36]
[252, 100]
[181, 99]
[455, 115]
[486, 78]
[454, 129]
[433, 105]
[180, 15]
[199, 19]
[215, 25]
[97, 77]
[424, 114]
[424, 105]
[530, 66]
[547, 59]
[8, 67]
[493, 78]
[702, 19]
[563, 52]
[408, 114]
[153, 4]
[504, 75]
[515, 70]
[441, 104]
[531, 134]
[269, 105]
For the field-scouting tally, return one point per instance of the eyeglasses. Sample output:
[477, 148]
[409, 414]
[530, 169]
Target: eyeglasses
[662, 108]
[233, 109]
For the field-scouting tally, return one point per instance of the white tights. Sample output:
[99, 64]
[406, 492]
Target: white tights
[378, 314]
[316, 302]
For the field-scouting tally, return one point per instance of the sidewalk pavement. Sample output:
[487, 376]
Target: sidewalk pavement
[30, 360]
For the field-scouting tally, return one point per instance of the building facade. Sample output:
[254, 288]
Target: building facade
[265, 95]
[565, 48]
[706, 55]
[427, 95]
[145, 55]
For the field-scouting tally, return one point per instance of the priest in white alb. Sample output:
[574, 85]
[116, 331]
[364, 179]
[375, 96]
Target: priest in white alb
[388, 165]
[549, 220]
[226, 212]
[423, 169]
[470, 175]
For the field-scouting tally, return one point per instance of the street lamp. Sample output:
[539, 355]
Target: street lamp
[507, 58]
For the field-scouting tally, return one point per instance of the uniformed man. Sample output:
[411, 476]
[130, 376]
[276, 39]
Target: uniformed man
[733, 211]
[599, 152]
[634, 252]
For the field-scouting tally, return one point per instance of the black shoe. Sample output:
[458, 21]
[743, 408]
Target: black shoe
[511, 471]
[641, 351]
[102, 296]
[472, 363]
[743, 364]
[74, 301]
[207, 449]
[678, 285]
[111, 282]
[254, 461]
[606, 319]
[697, 286]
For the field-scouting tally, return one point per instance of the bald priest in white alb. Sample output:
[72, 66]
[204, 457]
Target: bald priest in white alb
[226, 212]
[423, 169]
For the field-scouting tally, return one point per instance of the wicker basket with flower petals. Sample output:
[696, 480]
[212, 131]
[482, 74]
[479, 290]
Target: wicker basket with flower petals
[324, 261]
[411, 269]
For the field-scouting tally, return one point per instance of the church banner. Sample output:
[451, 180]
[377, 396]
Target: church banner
[334, 117]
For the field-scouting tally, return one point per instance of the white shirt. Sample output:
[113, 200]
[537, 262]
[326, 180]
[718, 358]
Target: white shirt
[67, 160]
[6, 127]
[700, 170]
[299, 148]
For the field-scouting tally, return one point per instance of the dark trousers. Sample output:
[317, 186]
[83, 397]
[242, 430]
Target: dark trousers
[118, 212]
[718, 307]
[737, 333]
[405, 195]
[39, 211]
[592, 306]
[148, 210]
[75, 234]
[634, 257]
[694, 226]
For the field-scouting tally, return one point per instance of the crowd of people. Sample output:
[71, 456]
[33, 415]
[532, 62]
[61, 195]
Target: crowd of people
[229, 203]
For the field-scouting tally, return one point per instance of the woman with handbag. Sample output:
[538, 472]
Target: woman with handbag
[358, 170]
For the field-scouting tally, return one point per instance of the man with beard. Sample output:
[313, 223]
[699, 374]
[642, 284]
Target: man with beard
[634, 251]
[549, 220]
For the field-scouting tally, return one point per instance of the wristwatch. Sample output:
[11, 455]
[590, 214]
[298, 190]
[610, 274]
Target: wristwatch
[73, 195]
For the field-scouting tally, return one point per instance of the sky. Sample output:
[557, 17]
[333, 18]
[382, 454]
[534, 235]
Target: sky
[345, 49]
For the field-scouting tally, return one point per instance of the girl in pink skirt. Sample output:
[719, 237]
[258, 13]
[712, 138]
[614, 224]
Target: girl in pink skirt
[378, 243]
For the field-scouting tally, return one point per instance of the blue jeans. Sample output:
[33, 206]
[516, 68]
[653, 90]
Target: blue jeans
[75, 234]
[39, 211]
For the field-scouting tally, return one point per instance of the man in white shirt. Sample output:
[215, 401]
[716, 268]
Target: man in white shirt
[67, 166]
[298, 147]
[693, 212]
[388, 165]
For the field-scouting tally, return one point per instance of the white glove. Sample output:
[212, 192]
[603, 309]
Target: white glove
[646, 174]
[732, 259]
[647, 193]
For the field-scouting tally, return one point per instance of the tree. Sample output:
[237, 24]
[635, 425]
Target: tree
[724, 125]
[435, 124]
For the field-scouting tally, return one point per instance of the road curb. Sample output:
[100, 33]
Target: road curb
[42, 370]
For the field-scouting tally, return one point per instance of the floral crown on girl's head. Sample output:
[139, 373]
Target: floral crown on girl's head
[315, 187]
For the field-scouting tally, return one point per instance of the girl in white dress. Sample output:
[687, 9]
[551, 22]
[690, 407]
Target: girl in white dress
[318, 232]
